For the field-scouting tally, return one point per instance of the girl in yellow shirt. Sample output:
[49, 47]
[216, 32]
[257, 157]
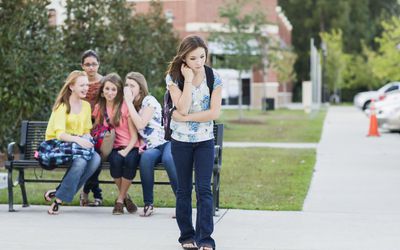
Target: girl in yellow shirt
[70, 121]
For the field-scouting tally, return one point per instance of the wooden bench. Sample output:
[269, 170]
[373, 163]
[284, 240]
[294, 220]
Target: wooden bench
[33, 133]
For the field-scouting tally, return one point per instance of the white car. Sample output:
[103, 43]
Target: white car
[391, 98]
[386, 113]
[392, 122]
[363, 99]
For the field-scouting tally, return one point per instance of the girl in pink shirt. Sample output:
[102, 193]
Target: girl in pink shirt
[124, 158]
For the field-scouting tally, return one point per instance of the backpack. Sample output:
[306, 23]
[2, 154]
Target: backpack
[168, 107]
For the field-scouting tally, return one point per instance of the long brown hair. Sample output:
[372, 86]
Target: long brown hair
[101, 100]
[187, 45]
[144, 90]
[65, 92]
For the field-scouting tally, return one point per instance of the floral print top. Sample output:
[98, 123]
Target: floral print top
[153, 133]
[195, 131]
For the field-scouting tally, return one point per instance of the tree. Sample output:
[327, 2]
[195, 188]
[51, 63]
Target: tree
[283, 63]
[31, 67]
[143, 42]
[360, 22]
[241, 39]
[335, 61]
[385, 62]
[87, 27]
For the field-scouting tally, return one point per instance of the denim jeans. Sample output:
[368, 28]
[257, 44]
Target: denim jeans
[124, 166]
[200, 156]
[93, 185]
[148, 160]
[76, 176]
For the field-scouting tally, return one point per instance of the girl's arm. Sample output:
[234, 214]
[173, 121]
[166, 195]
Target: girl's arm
[134, 137]
[203, 116]
[140, 121]
[183, 99]
[85, 143]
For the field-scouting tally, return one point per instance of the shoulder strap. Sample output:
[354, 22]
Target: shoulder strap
[210, 78]
[106, 117]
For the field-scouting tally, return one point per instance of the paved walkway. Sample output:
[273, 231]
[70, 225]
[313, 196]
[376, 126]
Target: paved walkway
[353, 203]
[269, 145]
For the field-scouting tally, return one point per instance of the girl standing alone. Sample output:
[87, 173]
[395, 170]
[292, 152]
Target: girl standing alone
[193, 139]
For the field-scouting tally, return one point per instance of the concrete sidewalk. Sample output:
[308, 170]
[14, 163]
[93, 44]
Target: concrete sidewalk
[353, 203]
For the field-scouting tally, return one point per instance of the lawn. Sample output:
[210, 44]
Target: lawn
[252, 178]
[280, 125]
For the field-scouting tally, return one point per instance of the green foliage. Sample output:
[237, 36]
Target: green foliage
[335, 59]
[143, 43]
[31, 67]
[385, 62]
[282, 62]
[239, 35]
[35, 58]
[359, 21]
[358, 74]
[241, 38]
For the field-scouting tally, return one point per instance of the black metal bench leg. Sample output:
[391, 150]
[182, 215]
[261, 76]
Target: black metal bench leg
[21, 181]
[10, 191]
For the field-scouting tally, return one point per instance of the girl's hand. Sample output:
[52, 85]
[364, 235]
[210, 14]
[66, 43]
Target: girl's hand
[128, 95]
[176, 116]
[122, 152]
[187, 73]
[85, 143]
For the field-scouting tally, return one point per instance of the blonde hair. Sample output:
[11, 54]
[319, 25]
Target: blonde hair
[144, 90]
[115, 79]
[65, 92]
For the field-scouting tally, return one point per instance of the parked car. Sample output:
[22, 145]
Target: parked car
[392, 123]
[362, 100]
[391, 98]
[386, 113]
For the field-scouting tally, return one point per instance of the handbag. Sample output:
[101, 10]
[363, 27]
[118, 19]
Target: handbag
[104, 137]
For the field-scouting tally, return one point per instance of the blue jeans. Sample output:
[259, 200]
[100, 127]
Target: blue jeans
[76, 176]
[200, 156]
[93, 185]
[148, 160]
[124, 166]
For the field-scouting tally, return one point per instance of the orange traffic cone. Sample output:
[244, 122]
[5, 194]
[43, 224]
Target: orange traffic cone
[373, 123]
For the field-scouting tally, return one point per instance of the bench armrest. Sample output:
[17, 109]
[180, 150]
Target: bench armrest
[10, 151]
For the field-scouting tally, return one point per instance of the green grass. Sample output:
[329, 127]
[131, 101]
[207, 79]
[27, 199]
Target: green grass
[280, 125]
[254, 178]
[265, 178]
[277, 180]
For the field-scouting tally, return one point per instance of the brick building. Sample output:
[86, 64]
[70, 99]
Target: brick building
[200, 16]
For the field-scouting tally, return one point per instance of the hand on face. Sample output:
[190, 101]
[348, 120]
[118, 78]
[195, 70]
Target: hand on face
[128, 95]
[187, 72]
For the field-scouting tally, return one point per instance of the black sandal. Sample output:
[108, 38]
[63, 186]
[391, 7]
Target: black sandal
[190, 245]
[49, 195]
[54, 209]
